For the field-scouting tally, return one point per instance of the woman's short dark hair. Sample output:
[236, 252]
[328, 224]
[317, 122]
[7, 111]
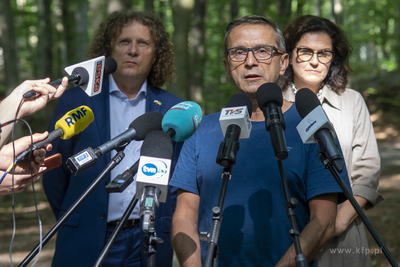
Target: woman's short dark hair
[337, 74]
[163, 69]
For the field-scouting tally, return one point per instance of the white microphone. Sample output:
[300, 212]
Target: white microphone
[316, 127]
[95, 68]
[235, 124]
[153, 175]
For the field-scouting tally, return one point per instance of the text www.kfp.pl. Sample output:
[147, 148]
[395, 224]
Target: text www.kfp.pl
[357, 250]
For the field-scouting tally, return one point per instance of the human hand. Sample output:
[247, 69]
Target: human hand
[22, 144]
[20, 182]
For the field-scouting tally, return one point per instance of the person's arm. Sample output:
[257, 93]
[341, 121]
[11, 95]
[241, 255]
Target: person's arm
[319, 230]
[347, 214]
[9, 106]
[185, 235]
[22, 144]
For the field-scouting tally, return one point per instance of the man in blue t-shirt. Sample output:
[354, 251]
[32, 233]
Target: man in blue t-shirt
[254, 229]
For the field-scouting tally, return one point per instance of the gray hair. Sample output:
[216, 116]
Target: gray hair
[255, 19]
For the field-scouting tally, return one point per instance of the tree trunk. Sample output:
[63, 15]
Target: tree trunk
[317, 7]
[69, 23]
[96, 8]
[197, 49]
[9, 46]
[44, 59]
[284, 11]
[234, 9]
[118, 5]
[149, 6]
[181, 10]
[259, 7]
[81, 30]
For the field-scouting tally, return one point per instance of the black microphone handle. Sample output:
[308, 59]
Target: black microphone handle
[73, 78]
[328, 146]
[278, 141]
[50, 138]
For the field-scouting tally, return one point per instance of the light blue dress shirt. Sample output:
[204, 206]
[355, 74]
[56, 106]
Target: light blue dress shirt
[124, 111]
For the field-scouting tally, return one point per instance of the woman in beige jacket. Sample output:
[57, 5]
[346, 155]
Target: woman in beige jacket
[319, 53]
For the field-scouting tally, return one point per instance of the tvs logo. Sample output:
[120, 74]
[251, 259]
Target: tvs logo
[232, 111]
[97, 77]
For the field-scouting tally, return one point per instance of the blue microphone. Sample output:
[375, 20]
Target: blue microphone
[182, 120]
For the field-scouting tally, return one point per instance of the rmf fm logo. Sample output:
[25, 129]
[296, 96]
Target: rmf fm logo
[232, 111]
[75, 116]
[97, 77]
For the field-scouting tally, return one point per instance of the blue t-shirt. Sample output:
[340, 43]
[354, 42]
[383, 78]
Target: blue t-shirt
[254, 229]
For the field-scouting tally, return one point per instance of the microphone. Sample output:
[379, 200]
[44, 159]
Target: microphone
[72, 123]
[235, 124]
[180, 122]
[316, 127]
[153, 175]
[269, 98]
[137, 130]
[79, 74]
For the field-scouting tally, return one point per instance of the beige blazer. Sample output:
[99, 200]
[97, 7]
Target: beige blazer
[351, 119]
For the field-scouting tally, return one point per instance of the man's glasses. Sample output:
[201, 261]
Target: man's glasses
[305, 54]
[261, 52]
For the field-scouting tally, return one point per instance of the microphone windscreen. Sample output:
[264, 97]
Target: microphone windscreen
[238, 100]
[75, 121]
[184, 118]
[157, 144]
[306, 101]
[144, 124]
[269, 92]
[110, 65]
[83, 74]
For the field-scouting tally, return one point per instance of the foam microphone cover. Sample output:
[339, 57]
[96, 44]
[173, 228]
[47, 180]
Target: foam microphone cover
[269, 92]
[83, 75]
[144, 124]
[238, 100]
[306, 101]
[157, 144]
[110, 65]
[75, 121]
[184, 118]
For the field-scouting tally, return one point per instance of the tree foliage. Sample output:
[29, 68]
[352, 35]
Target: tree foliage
[38, 38]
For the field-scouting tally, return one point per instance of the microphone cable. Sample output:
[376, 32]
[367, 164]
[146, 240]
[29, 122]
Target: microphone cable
[12, 185]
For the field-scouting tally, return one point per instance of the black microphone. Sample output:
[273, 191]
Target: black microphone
[235, 123]
[137, 130]
[269, 98]
[316, 123]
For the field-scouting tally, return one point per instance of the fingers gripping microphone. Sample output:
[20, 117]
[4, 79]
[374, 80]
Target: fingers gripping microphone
[153, 175]
[137, 130]
[316, 127]
[72, 123]
[179, 122]
[182, 120]
[235, 123]
[269, 98]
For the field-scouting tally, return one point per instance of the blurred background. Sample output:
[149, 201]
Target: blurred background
[39, 38]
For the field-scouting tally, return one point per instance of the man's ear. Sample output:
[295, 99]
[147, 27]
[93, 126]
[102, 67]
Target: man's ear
[227, 70]
[284, 63]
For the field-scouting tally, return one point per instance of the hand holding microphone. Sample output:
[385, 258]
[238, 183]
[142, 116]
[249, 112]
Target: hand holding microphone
[73, 122]
[316, 127]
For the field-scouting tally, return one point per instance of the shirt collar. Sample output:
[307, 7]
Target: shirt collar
[331, 97]
[115, 90]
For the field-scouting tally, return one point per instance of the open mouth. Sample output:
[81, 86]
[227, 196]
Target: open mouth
[251, 76]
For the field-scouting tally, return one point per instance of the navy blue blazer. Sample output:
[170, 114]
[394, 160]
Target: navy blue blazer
[81, 239]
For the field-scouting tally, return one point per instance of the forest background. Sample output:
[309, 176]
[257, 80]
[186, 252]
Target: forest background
[39, 38]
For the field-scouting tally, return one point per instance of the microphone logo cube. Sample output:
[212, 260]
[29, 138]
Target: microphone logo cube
[155, 172]
[236, 115]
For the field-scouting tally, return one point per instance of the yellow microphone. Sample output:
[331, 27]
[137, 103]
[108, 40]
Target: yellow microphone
[72, 123]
